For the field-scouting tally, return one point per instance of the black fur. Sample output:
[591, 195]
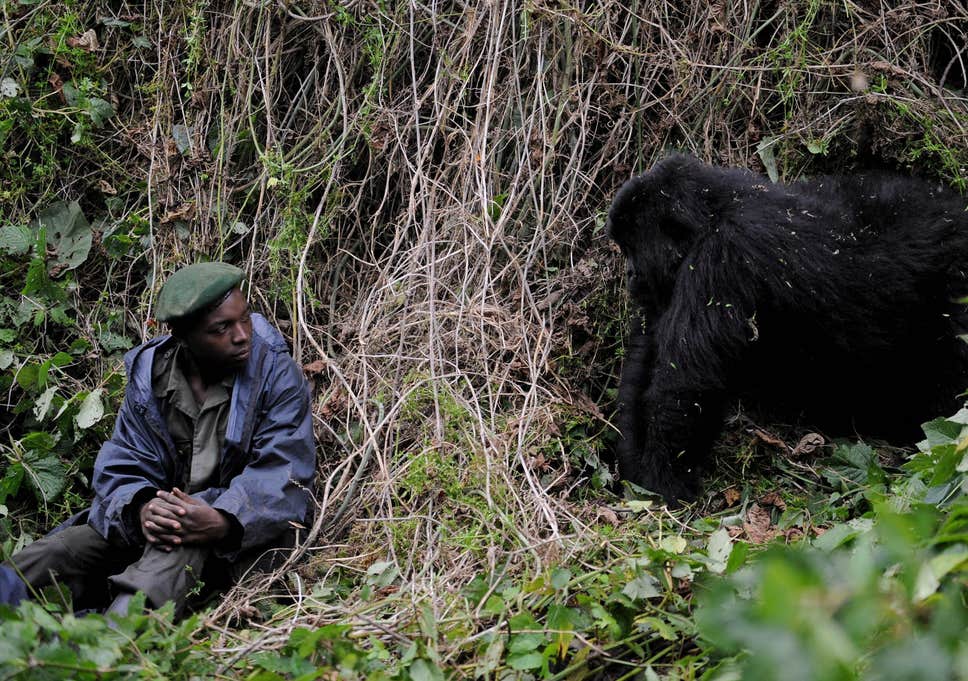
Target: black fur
[833, 298]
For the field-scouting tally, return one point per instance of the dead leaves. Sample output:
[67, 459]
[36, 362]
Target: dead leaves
[773, 499]
[86, 41]
[183, 213]
[769, 439]
[808, 444]
[335, 405]
[758, 526]
[316, 367]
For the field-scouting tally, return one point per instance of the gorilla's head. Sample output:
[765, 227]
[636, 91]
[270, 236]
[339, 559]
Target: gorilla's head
[655, 219]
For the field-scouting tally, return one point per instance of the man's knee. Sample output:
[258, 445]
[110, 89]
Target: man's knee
[164, 575]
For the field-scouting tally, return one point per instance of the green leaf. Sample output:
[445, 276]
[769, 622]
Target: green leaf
[642, 587]
[6, 359]
[43, 373]
[288, 665]
[737, 557]
[673, 544]
[817, 147]
[42, 405]
[838, 535]
[38, 441]
[45, 475]
[961, 417]
[381, 573]
[38, 283]
[941, 432]
[661, 627]
[528, 636]
[10, 483]
[61, 359]
[91, 410]
[931, 573]
[560, 578]
[424, 670]
[853, 465]
[638, 505]
[522, 643]
[79, 346]
[72, 95]
[99, 111]
[562, 618]
[765, 151]
[525, 661]
[16, 239]
[68, 233]
[27, 376]
[946, 464]
[718, 549]
[113, 342]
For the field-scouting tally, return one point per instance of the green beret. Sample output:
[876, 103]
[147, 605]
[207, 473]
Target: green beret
[193, 288]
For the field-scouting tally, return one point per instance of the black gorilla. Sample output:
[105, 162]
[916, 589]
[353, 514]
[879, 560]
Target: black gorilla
[835, 299]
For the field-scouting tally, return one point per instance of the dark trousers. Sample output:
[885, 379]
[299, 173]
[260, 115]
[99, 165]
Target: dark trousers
[94, 570]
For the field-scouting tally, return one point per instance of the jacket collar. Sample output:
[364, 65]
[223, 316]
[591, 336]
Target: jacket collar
[138, 362]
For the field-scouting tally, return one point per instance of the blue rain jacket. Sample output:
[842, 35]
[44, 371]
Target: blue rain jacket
[12, 588]
[267, 463]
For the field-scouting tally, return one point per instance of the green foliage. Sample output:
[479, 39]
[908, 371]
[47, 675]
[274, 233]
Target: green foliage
[57, 421]
[39, 643]
[877, 597]
[53, 97]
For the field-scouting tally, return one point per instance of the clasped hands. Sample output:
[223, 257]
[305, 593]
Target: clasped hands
[175, 518]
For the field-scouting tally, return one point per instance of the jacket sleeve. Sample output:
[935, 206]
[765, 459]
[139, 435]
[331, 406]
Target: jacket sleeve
[132, 461]
[273, 488]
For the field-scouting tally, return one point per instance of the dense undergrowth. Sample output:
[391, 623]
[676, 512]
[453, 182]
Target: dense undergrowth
[417, 193]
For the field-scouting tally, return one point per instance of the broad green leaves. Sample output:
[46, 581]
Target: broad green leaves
[31, 461]
[880, 596]
[16, 239]
[91, 410]
[46, 474]
[68, 234]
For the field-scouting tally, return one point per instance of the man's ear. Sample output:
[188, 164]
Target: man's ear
[178, 331]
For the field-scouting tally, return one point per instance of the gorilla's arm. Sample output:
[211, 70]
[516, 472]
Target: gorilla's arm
[697, 344]
[637, 370]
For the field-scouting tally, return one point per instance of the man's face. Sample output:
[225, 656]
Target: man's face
[221, 342]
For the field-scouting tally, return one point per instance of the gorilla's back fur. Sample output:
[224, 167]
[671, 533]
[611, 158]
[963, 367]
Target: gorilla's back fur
[833, 297]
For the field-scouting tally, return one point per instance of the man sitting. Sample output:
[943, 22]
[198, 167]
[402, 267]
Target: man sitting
[210, 462]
